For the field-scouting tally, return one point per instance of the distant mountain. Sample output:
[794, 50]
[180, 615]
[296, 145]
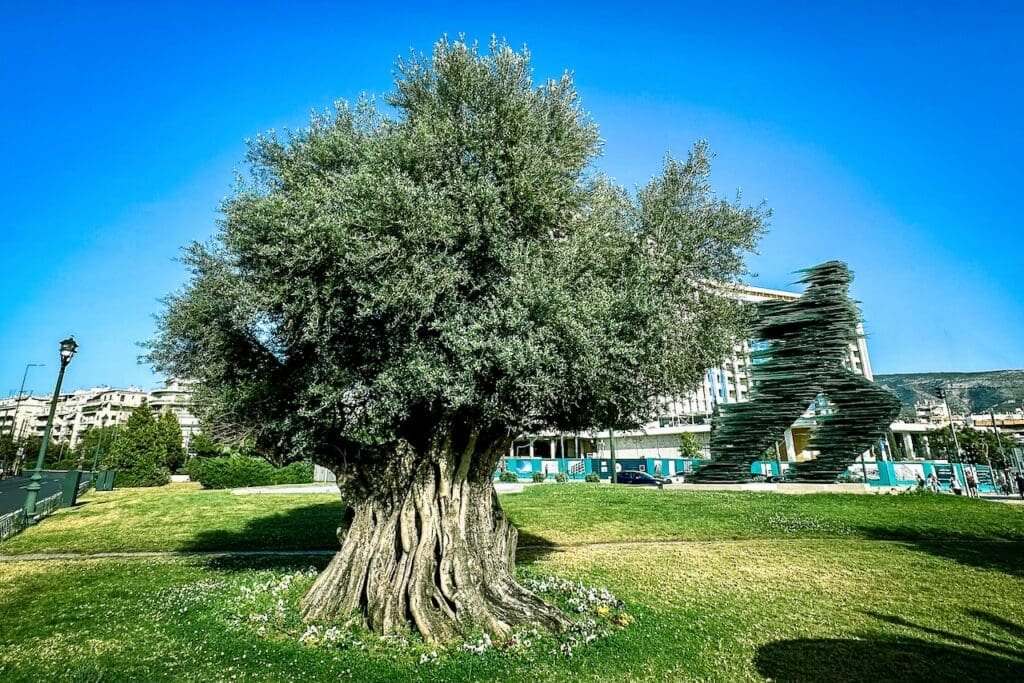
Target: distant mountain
[968, 392]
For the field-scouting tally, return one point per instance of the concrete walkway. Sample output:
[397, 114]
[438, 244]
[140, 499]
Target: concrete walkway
[501, 487]
[286, 489]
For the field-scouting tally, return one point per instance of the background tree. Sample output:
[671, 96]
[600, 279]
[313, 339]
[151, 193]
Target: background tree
[170, 432]
[101, 438]
[31, 443]
[8, 452]
[689, 446]
[202, 446]
[398, 295]
[978, 446]
[28, 447]
[140, 452]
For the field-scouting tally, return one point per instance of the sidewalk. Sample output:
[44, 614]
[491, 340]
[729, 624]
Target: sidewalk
[289, 489]
[286, 489]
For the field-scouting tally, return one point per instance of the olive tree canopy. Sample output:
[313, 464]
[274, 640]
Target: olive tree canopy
[399, 291]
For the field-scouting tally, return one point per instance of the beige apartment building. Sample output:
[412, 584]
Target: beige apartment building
[98, 407]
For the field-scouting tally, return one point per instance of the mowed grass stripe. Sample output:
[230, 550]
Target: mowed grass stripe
[185, 518]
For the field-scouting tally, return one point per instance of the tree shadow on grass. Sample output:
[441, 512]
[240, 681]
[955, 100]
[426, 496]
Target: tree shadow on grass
[982, 552]
[1013, 629]
[881, 659]
[1009, 649]
[311, 527]
[533, 548]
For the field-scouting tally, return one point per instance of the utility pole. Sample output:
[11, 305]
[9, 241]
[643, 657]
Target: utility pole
[941, 393]
[17, 401]
[611, 447]
[999, 439]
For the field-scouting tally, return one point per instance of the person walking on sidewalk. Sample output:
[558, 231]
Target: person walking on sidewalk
[954, 484]
[972, 483]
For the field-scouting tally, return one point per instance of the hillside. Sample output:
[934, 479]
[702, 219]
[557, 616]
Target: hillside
[968, 391]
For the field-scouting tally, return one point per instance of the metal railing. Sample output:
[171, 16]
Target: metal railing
[47, 506]
[13, 522]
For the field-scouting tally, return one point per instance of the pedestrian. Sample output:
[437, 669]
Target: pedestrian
[933, 482]
[954, 484]
[972, 483]
[1020, 484]
[920, 483]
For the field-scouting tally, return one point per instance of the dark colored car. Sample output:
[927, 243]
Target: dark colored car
[638, 477]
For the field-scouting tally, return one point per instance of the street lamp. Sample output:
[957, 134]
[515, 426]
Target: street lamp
[68, 347]
[940, 391]
[992, 415]
[17, 401]
[611, 447]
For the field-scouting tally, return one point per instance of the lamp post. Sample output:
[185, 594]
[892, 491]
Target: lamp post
[611, 447]
[17, 401]
[991, 410]
[941, 393]
[68, 347]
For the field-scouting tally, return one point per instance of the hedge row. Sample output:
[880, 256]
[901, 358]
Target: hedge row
[240, 471]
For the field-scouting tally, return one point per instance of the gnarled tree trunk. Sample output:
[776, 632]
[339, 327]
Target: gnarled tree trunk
[434, 554]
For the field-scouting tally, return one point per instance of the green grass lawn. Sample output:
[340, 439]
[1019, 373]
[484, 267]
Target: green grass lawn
[815, 588]
[184, 517]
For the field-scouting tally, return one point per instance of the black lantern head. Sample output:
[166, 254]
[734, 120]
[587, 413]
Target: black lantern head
[68, 347]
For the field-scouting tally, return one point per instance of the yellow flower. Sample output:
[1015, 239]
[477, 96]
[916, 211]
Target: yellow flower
[623, 619]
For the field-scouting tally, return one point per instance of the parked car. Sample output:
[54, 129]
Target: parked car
[677, 478]
[638, 477]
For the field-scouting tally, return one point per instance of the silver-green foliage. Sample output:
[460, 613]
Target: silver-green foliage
[453, 258]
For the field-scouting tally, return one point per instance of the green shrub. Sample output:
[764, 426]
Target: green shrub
[538, 477]
[562, 477]
[239, 471]
[231, 472]
[295, 473]
[592, 478]
[157, 476]
[508, 476]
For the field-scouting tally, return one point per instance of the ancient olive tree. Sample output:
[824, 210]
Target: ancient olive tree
[400, 292]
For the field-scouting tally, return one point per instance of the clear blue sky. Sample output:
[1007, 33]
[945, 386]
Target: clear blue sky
[890, 138]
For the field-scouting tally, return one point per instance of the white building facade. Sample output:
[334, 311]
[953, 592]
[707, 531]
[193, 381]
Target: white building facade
[729, 382]
[98, 407]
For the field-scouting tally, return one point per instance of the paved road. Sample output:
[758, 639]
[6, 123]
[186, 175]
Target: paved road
[12, 490]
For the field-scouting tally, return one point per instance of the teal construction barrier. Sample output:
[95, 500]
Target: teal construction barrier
[579, 468]
[898, 473]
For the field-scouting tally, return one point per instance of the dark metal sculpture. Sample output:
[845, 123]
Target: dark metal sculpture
[806, 354]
